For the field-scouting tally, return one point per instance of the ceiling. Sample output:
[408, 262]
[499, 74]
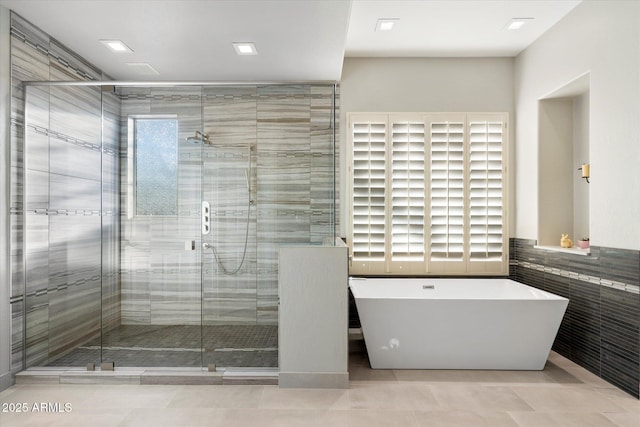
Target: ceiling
[297, 40]
[436, 28]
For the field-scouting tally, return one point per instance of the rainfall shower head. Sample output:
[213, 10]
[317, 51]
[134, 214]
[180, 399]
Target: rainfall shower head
[199, 138]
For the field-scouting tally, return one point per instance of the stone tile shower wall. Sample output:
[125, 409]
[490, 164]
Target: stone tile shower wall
[283, 136]
[230, 119]
[64, 205]
[601, 329]
[160, 280]
[295, 178]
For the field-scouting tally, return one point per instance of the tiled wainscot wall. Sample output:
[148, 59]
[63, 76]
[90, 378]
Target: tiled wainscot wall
[601, 329]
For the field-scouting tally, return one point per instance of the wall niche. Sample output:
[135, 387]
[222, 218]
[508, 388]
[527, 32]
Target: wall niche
[563, 195]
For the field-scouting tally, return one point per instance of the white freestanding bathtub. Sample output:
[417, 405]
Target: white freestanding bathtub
[456, 323]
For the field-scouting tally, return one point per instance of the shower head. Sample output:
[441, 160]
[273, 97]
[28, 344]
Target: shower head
[199, 138]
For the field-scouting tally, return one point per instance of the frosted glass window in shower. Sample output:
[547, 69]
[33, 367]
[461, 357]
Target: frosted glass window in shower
[156, 163]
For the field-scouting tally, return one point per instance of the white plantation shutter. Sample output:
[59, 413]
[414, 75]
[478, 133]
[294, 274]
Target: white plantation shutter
[447, 190]
[428, 193]
[485, 190]
[407, 191]
[369, 180]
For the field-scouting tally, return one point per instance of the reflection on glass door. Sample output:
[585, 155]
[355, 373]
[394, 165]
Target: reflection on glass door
[161, 298]
[69, 225]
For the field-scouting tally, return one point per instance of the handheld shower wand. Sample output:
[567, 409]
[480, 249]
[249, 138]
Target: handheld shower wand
[250, 202]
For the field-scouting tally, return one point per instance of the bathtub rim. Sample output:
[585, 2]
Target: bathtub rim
[548, 296]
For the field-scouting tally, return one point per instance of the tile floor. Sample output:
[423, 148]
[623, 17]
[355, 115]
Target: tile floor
[563, 394]
[181, 345]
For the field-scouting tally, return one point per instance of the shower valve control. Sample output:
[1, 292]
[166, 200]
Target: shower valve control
[206, 218]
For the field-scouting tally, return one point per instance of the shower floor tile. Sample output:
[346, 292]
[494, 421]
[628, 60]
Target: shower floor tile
[180, 346]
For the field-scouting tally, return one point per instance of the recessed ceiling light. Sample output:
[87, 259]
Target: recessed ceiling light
[245, 48]
[143, 69]
[517, 23]
[116, 46]
[386, 24]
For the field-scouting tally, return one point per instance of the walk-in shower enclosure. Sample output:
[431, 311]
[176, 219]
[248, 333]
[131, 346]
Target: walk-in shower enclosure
[153, 214]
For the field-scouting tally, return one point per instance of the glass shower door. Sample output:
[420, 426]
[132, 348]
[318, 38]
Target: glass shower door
[231, 335]
[64, 242]
[160, 245]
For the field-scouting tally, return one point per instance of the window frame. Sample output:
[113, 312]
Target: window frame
[428, 265]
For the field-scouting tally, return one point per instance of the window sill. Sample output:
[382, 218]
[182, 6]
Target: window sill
[574, 250]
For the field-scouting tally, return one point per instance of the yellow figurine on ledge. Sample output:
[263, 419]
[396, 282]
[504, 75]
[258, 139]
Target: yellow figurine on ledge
[566, 242]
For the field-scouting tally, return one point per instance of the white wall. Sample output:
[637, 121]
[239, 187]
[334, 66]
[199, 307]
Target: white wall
[5, 275]
[580, 156]
[423, 85]
[555, 183]
[603, 38]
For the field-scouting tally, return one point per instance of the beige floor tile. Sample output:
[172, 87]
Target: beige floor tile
[586, 377]
[226, 397]
[471, 376]
[561, 395]
[561, 419]
[478, 398]
[76, 417]
[566, 399]
[360, 369]
[368, 374]
[286, 398]
[391, 396]
[32, 393]
[367, 418]
[622, 399]
[270, 417]
[559, 375]
[30, 419]
[131, 396]
[4, 394]
[464, 419]
[624, 419]
[560, 360]
[175, 417]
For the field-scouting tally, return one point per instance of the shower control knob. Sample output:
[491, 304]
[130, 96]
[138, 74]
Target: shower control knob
[206, 246]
